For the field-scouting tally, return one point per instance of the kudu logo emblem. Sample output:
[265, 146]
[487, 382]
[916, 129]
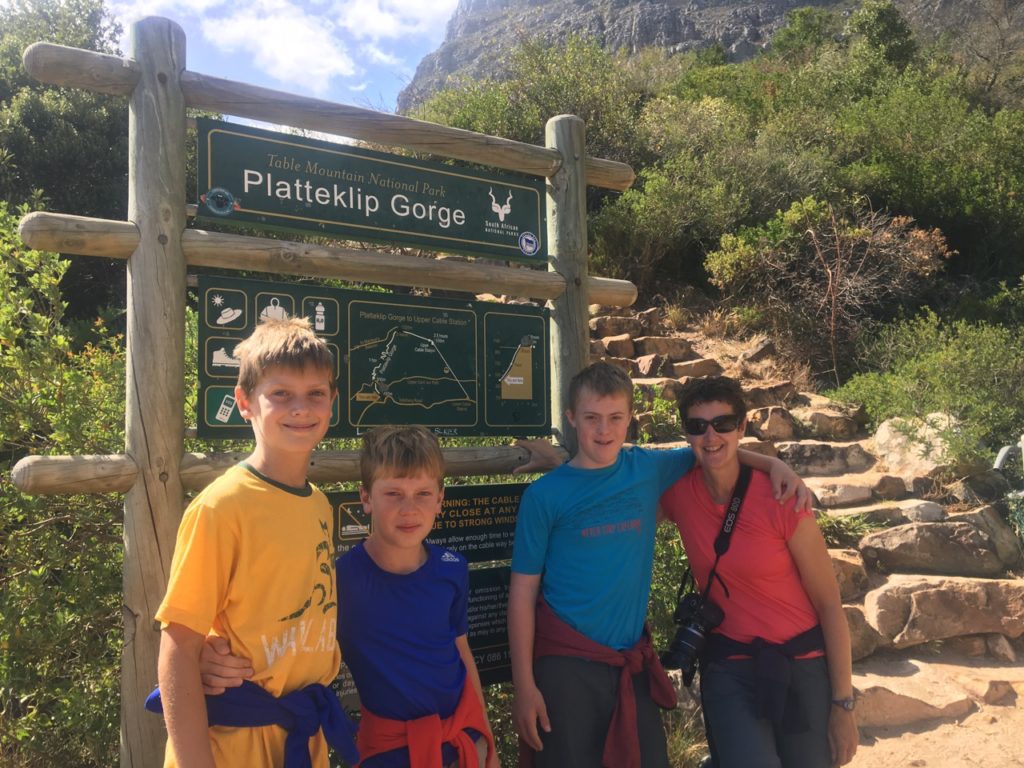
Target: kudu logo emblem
[501, 210]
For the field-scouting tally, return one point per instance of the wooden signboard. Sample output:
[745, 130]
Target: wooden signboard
[259, 178]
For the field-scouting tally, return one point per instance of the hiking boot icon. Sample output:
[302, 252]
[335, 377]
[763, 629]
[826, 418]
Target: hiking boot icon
[222, 359]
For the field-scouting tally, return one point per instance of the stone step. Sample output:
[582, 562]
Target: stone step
[977, 544]
[856, 488]
[900, 691]
[889, 512]
[818, 457]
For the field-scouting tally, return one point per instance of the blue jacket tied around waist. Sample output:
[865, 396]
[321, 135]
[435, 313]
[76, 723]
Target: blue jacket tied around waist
[301, 713]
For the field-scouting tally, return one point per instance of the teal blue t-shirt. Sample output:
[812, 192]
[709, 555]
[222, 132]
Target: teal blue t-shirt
[590, 534]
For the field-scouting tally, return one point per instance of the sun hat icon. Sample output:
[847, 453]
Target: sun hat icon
[227, 315]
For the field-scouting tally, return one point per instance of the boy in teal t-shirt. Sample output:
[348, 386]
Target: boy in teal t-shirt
[584, 543]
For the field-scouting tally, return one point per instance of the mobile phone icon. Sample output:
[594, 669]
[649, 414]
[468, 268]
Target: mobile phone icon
[227, 405]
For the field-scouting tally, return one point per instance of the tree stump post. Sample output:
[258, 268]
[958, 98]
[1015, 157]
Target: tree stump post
[567, 245]
[154, 409]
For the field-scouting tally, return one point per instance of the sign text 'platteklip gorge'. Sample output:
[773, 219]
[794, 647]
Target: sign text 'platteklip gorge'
[253, 177]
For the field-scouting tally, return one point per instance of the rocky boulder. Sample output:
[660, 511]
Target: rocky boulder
[952, 548]
[612, 325]
[850, 573]
[826, 419]
[705, 366]
[990, 485]
[811, 457]
[912, 448]
[661, 388]
[671, 347]
[910, 610]
[773, 423]
[864, 640]
[773, 393]
[653, 365]
[620, 345]
[992, 520]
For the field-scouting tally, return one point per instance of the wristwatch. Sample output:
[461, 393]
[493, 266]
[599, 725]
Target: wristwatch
[847, 704]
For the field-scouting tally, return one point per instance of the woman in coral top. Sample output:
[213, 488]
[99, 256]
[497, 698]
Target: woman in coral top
[775, 673]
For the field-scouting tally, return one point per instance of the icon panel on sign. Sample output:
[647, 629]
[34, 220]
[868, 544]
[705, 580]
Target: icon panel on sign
[323, 314]
[219, 359]
[275, 306]
[221, 408]
[225, 308]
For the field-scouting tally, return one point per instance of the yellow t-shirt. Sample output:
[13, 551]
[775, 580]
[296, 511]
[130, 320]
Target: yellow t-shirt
[253, 563]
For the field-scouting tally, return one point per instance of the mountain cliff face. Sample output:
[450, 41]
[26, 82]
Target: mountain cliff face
[481, 31]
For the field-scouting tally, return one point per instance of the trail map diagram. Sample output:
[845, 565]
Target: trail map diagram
[459, 368]
[517, 380]
[411, 365]
[516, 384]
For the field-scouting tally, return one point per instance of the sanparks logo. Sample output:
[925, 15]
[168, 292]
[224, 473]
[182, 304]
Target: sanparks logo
[254, 177]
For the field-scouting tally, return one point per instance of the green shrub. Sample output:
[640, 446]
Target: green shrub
[60, 561]
[971, 371]
[822, 275]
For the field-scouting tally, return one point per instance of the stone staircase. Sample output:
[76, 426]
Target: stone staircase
[934, 597]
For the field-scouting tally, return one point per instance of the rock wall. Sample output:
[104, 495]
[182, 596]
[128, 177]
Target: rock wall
[481, 32]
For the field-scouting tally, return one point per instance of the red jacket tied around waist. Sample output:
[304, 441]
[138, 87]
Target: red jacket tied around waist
[553, 637]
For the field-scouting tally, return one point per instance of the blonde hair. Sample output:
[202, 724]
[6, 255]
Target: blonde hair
[400, 452]
[287, 343]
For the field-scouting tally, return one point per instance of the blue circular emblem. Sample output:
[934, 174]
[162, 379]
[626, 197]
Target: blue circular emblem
[219, 201]
[529, 243]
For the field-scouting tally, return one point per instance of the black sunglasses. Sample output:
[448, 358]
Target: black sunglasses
[727, 422]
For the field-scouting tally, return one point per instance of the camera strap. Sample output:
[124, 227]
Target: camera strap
[732, 512]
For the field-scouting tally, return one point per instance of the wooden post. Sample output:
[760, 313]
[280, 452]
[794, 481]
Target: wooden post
[154, 411]
[567, 243]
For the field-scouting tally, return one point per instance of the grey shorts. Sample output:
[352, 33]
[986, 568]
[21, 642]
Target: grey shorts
[580, 697]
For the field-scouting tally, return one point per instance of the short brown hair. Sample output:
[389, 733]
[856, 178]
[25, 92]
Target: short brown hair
[712, 389]
[287, 343]
[400, 452]
[604, 380]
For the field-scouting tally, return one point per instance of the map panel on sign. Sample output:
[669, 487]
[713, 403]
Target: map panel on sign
[411, 364]
[459, 368]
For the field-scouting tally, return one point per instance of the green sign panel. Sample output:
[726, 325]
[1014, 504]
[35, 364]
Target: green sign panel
[459, 368]
[260, 178]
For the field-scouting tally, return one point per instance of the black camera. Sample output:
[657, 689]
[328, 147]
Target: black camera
[695, 617]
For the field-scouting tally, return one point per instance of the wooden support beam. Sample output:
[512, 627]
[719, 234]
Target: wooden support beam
[85, 236]
[100, 72]
[567, 240]
[77, 68]
[219, 95]
[155, 368]
[63, 475]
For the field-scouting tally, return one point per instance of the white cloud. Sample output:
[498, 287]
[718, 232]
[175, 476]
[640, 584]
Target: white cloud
[284, 41]
[377, 19]
[128, 11]
[378, 56]
[305, 45]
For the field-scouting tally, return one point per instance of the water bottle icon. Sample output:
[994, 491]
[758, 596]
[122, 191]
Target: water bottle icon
[319, 320]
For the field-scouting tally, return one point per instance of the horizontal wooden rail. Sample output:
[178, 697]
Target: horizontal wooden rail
[76, 68]
[65, 475]
[100, 72]
[85, 236]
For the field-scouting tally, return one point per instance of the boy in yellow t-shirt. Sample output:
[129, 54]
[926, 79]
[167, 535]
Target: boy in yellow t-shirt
[253, 564]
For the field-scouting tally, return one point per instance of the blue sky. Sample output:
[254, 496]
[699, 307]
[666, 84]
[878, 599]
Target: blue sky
[360, 52]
